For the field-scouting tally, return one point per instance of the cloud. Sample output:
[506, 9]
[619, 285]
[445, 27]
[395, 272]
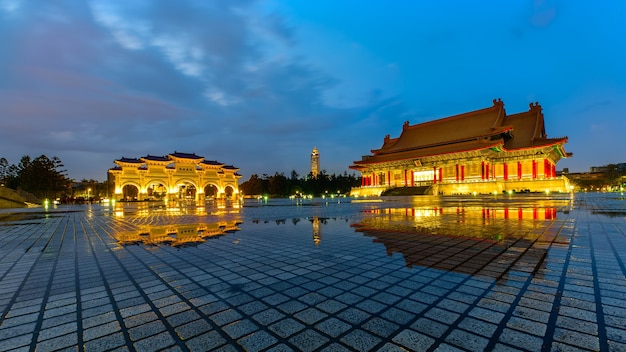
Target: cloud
[9, 6]
[153, 77]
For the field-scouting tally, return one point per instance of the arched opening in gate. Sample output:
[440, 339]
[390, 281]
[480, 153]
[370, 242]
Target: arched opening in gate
[228, 191]
[210, 192]
[130, 192]
[187, 190]
[156, 191]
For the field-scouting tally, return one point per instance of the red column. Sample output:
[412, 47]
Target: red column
[462, 172]
[434, 174]
[505, 169]
[534, 169]
[389, 178]
[405, 178]
[440, 174]
[482, 170]
[457, 173]
[519, 170]
[412, 179]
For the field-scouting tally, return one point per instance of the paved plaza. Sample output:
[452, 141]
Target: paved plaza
[490, 273]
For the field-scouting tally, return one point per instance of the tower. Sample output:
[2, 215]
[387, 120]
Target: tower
[315, 162]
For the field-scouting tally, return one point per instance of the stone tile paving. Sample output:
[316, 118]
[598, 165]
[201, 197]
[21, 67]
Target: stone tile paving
[527, 273]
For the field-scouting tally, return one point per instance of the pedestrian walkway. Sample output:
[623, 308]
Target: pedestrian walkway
[445, 275]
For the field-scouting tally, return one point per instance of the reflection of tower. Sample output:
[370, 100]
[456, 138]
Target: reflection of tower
[315, 162]
[317, 231]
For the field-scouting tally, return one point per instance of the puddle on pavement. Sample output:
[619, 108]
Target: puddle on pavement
[465, 239]
[183, 235]
[460, 236]
[26, 218]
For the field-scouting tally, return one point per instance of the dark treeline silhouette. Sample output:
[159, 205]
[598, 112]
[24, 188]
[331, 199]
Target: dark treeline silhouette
[280, 185]
[45, 178]
[41, 176]
[613, 177]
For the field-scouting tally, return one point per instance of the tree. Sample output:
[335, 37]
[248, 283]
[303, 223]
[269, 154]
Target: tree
[4, 168]
[41, 176]
[254, 186]
[294, 175]
[613, 175]
[278, 185]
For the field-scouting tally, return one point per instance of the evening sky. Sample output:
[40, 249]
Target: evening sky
[258, 84]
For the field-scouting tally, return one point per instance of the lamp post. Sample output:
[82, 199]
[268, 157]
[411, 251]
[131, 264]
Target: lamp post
[88, 197]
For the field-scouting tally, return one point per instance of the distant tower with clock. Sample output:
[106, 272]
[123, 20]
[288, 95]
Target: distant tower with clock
[315, 162]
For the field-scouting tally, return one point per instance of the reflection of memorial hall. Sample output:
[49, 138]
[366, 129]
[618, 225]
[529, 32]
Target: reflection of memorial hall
[482, 151]
[177, 176]
[177, 235]
[469, 240]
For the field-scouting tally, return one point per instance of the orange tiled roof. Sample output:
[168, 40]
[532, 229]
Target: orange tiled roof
[479, 129]
[444, 149]
[462, 127]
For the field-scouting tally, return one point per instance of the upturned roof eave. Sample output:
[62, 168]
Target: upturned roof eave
[550, 143]
[367, 162]
[494, 133]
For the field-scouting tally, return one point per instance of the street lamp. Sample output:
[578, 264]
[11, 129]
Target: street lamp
[88, 191]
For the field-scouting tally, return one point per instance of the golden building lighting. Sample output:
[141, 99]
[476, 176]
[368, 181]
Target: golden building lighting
[315, 162]
[479, 152]
[177, 176]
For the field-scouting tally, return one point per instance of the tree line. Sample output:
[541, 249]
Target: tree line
[46, 178]
[42, 176]
[280, 185]
[613, 177]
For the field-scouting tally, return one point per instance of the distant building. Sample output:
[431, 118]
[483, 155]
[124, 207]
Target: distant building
[177, 176]
[599, 168]
[621, 167]
[482, 151]
[610, 177]
[315, 162]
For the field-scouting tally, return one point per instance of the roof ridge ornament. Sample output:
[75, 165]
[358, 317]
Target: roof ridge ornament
[535, 106]
[498, 102]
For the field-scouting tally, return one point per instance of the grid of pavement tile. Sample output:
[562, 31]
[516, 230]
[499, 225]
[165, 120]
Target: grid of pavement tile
[291, 283]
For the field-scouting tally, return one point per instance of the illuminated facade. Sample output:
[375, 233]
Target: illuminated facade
[177, 176]
[315, 162]
[484, 151]
[469, 239]
[177, 235]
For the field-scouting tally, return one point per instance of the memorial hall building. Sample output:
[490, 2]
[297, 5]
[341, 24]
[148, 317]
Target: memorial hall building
[177, 176]
[479, 152]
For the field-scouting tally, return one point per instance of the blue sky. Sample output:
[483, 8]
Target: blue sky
[258, 84]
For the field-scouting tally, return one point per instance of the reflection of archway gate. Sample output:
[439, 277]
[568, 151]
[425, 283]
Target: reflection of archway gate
[172, 172]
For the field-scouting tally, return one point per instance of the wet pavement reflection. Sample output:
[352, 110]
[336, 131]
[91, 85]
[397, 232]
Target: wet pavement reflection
[471, 240]
[532, 272]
